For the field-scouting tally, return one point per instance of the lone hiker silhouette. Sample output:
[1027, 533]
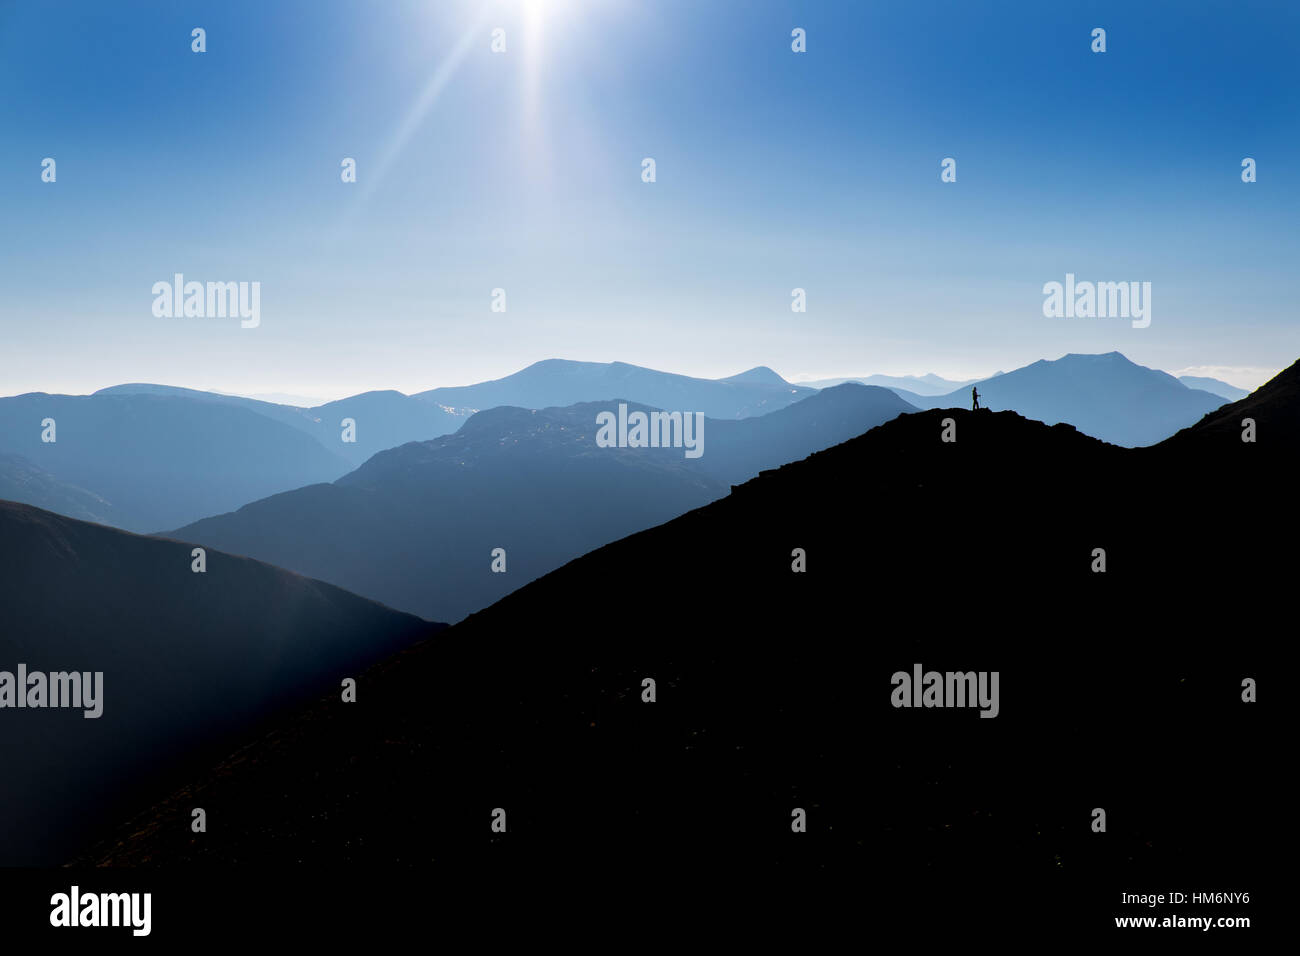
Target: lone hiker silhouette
[974, 399]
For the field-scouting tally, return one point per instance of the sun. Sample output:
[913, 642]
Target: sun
[538, 12]
[540, 17]
[541, 9]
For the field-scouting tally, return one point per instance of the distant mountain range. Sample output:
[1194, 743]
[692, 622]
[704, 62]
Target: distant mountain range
[1105, 396]
[1214, 387]
[188, 660]
[158, 460]
[928, 384]
[774, 685]
[145, 457]
[558, 382]
[381, 419]
[932, 385]
[415, 526]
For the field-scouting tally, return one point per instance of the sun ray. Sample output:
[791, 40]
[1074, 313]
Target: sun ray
[424, 103]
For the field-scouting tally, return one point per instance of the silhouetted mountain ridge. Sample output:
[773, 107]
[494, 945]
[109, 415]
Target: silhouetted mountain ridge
[1275, 408]
[774, 687]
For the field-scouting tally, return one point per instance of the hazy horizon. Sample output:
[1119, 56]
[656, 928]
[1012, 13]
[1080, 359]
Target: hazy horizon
[1247, 378]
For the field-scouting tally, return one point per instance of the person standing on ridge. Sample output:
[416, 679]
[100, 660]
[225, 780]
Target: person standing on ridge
[974, 399]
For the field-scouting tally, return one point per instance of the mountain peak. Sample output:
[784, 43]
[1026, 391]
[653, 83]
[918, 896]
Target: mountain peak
[758, 375]
[1096, 357]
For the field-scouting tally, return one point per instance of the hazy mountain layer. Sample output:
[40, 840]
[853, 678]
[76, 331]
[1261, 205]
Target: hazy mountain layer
[161, 460]
[416, 526]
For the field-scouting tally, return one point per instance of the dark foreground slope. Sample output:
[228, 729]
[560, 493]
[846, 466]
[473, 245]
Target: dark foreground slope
[1118, 690]
[1274, 408]
[188, 661]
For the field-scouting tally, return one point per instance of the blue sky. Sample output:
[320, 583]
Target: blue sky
[521, 171]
